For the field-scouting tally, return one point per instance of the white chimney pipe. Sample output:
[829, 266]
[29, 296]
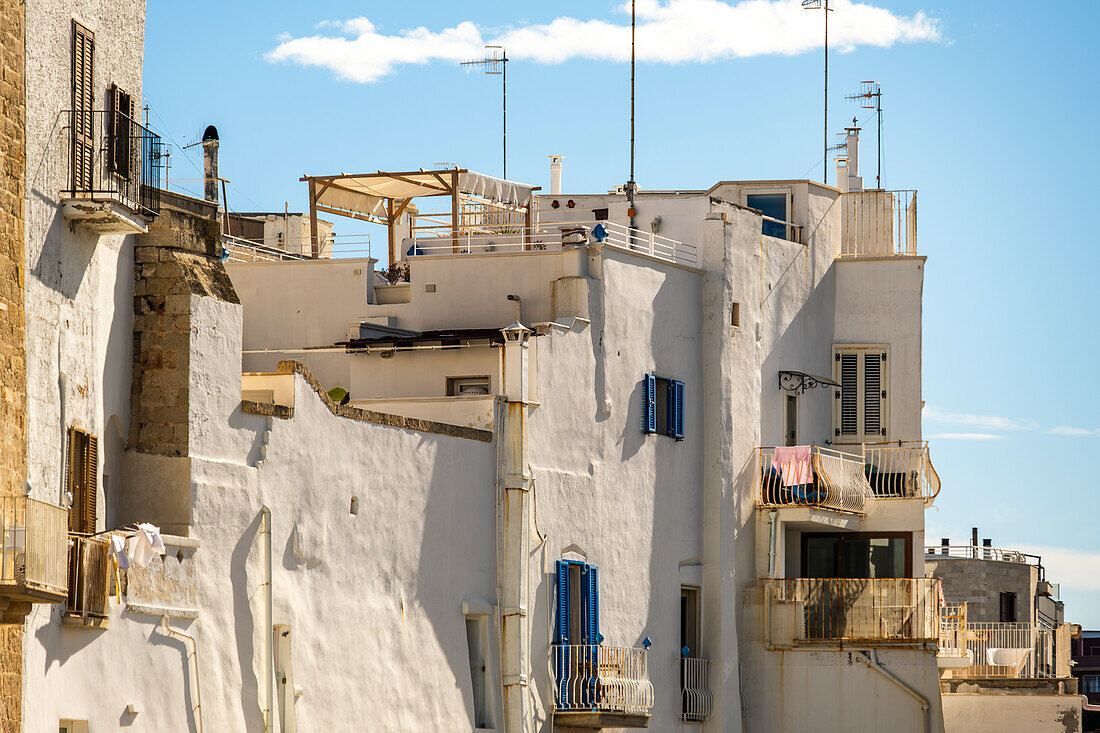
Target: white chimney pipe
[555, 175]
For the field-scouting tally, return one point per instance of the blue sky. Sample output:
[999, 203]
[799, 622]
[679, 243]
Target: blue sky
[990, 114]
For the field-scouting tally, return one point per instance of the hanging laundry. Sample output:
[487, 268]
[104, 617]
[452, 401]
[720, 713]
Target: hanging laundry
[145, 545]
[794, 464]
[118, 552]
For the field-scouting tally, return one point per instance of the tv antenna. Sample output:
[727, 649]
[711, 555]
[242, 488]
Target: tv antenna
[823, 5]
[870, 94]
[496, 62]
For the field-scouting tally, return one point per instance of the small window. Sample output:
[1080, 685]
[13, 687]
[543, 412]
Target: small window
[599, 214]
[1008, 607]
[477, 645]
[72, 726]
[81, 480]
[689, 622]
[122, 137]
[578, 604]
[790, 431]
[860, 413]
[735, 315]
[663, 406]
[1090, 683]
[774, 206]
[459, 386]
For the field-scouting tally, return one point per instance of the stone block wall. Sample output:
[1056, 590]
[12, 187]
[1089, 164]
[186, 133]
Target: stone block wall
[980, 582]
[179, 258]
[13, 360]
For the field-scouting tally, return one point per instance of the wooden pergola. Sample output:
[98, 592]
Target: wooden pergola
[383, 197]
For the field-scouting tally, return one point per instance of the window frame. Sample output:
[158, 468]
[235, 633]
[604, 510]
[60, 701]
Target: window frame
[653, 385]
[843, 536]
[452, 384]
[862, 351]
[788, 207]
[582, 610]
[1008, 600]
[481, 626]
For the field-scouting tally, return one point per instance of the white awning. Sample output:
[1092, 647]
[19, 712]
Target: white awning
[368, 194]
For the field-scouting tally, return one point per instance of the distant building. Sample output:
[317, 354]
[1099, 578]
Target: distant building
[1086, 668]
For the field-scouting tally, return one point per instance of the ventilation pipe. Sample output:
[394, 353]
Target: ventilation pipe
[555, 175]
[847, 167]
[210, 163]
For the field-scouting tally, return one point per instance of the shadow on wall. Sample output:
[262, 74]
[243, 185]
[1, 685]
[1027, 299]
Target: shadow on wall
[632, 438]
[245, 624]
[156, 636]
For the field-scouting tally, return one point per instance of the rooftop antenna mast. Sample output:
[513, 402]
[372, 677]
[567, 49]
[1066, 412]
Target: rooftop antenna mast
[824, 5]
[870, 92]
[496, 62]
[630, 185]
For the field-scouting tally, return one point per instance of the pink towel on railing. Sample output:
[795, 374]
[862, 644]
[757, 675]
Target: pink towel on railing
[793, 464]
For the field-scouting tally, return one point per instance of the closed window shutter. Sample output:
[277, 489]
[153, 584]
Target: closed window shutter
[649, 404]
[874, 394]
[592, 605]
[676, 409]
[83, 102]
[562, 630]
[849, 393]
[91, 483]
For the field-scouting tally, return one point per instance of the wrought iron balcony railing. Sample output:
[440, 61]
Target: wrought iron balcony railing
[32, 560]
[837, 481]
[902, 471]
[866, 610]
[589, 677]
[696, 699]
[112, 157]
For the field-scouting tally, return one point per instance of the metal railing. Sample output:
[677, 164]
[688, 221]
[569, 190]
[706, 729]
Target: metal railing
[973, 552]
[1010, 650]
[696, 700]
[554, 236]
[89, 577]
[588, 677]
[839, 482]
[114, 158]
[33, 558]
[860, 609]
[901, 471]
[877, 223]
[235, 249]
[780, 229]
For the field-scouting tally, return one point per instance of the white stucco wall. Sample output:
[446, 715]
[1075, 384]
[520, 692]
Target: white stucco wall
[989, 713]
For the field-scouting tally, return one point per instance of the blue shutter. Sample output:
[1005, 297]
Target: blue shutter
[649, 404]
[562, 631]
[592, 605]
[676, 409]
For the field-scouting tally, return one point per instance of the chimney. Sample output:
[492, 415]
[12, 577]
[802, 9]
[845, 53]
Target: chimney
[555, 175]
[851, 145]
[974, 536]
[210, 163]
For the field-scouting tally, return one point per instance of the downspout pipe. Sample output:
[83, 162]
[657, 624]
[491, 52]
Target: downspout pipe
[871, 660]
[269, 637]
[771, 543]
[193, 660]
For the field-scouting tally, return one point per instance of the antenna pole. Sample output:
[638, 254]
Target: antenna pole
[825, 163]
[504, 104]
[878, 104]
[630, 184]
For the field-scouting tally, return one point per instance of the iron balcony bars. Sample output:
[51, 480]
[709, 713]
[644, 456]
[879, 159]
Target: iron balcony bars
[112, 157]
[33, 557]
[590, 677]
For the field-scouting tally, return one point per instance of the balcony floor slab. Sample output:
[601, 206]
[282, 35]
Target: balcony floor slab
[103, 217]
[599, 719]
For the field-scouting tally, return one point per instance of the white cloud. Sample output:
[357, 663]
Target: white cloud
[965, 436]
[986, 422]
[1071, 568]
[1076, 432]
[669, 31]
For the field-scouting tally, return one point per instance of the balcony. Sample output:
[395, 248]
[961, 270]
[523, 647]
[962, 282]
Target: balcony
[852, 610]
[879, 223]
[552, 236]
[973, 552]
[89, 582]
[33, 559]
[837, 482]
[901, 471]
[600, 686]
[113, 175]
[982, 650]
[696, 700]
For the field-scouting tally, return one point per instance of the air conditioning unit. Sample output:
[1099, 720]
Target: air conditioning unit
[1044, 588]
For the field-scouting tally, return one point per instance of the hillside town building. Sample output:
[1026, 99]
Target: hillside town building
[576, 462]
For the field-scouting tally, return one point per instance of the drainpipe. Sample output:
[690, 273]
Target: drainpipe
[269, 640]
[1086, 705]
[771, 543]
[871, 660]
[193, 661]
[514, 488]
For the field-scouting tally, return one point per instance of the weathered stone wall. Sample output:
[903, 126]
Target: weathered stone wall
[13, 362]
[979, 583]
[177, 259]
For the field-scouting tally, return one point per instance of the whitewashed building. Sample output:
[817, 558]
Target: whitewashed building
[591, 463]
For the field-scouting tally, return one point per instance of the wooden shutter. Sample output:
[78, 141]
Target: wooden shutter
[562, 635]
[676, 409]
[592, 605]
[123, 156]
[91, 483]
[849, 392]
[83, 102]
[874, 393]
[649, 404]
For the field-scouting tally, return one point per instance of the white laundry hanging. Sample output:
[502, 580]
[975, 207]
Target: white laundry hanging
[145, 545]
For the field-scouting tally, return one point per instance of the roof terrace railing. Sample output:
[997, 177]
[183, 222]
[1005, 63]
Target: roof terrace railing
[973, 552]
[879, 223]
[1020, 650]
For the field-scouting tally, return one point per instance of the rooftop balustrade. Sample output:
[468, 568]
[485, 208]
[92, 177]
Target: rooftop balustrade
[864, 610]
[837, 481]
[33, 559]
[981, 650]
[879, 223]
